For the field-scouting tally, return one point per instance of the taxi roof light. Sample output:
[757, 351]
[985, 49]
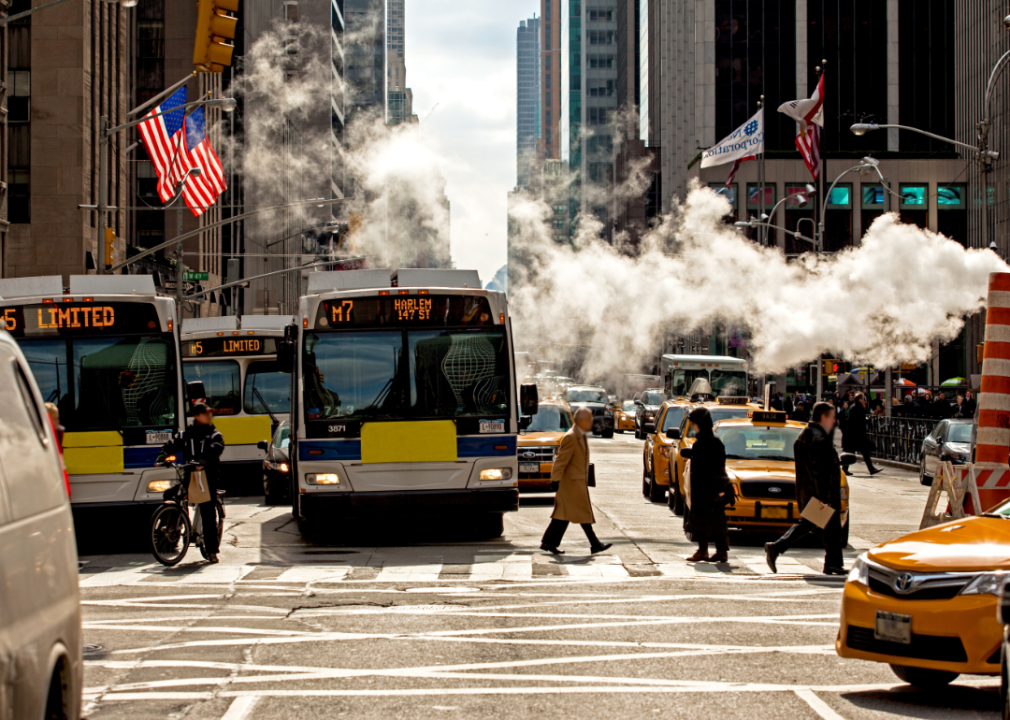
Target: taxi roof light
[768, 416]
[733, 400]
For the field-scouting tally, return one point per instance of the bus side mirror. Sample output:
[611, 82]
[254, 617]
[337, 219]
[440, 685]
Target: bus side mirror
[286, 349]
[195, 391]
[525, 421]
[528, 399]
[263, 445]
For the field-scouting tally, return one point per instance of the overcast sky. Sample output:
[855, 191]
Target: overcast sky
[462, 55]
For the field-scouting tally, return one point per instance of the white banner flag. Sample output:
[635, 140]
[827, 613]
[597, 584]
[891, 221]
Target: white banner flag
[746, 141]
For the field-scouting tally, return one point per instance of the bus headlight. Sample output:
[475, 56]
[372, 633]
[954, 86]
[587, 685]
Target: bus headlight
[158, 486]
[496, 474]
[322, 479]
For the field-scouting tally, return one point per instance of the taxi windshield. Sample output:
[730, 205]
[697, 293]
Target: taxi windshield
[745, 442]
[550, 418]
[673, 416]
[628, 406]
[586, 396]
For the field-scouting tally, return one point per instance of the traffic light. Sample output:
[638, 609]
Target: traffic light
[110, 246]
[214, 29]
[831, 367]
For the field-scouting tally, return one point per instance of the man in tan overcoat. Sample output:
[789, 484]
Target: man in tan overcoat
[571, 473]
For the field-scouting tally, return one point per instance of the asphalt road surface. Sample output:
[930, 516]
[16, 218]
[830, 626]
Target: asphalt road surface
[393, 621]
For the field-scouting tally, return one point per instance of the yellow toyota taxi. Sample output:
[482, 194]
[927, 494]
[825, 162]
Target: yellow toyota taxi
[624, 416]
[760, 464]
[721, 409]
[538, 445]
[659, 444]
[925, 603]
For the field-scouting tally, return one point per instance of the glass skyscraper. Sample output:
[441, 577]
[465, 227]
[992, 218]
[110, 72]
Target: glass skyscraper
[527, 97]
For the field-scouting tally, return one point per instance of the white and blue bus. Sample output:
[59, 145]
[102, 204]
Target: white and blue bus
[104, 351]
[405, 401]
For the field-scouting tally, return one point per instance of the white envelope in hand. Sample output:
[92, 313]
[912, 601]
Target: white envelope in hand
[815, 513]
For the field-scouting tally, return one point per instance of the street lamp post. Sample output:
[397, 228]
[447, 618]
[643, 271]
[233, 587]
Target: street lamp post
[868, 163]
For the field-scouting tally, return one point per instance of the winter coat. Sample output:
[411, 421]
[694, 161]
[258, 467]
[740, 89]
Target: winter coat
[940, 410]
[200, 443]
[707, 514]
[967, 409]
[818, 469]
[855, 428]
[571, 473]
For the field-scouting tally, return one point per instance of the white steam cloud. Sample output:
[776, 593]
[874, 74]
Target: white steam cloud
[882, 302]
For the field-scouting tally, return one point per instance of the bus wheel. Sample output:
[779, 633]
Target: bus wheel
[493, 526]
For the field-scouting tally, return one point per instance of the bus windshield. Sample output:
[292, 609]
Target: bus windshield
[267, 389]
[220, 380]
[412, 374]
[550, 418]
[107, 383]
[682, 381]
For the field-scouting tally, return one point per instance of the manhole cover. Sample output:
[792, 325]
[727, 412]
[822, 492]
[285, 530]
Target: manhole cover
[93, 649]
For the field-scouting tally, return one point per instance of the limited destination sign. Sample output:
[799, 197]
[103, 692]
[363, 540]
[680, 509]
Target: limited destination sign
[76, 318]
[229, 347]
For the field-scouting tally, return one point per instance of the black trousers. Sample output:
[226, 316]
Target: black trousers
[720, 537]
[208, 516]
[556, 531]
[830, 538]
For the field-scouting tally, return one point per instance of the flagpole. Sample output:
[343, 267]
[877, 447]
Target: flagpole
[823, 210]
[763, 231]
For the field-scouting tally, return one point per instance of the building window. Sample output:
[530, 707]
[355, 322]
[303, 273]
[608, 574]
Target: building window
[601, 15]
[547, 37]
[598, 116]
[951, 197]
[600, 37]
[728, 192]
[601, 61]
[547, 100]
[547, 81]
[873, 197]
[841, 196]
[547, 10]
[952, 222]
[754, 197]
[290, 10]
[914, 196]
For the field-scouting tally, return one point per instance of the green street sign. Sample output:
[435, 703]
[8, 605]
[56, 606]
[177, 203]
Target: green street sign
[195, 276]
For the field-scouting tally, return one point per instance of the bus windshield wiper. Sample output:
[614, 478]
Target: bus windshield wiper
[259, 396]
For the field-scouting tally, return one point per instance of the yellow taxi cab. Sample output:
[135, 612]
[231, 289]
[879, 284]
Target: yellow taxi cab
[761, 466]
[539, 443]
[724, 408]
[659, 444]
[926, 603]
[624, 416]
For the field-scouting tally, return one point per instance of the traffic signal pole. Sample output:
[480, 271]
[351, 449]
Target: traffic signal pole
[820, 379]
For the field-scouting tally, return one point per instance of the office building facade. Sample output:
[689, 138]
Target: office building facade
[527, 97]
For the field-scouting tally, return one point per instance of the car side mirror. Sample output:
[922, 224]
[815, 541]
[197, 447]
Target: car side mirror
[649, 427]
[639, 403]
[673, 434]
[847, 459]
[525, 421]
[686, 453]
[263, 445]
[195, 391]
[528, 399]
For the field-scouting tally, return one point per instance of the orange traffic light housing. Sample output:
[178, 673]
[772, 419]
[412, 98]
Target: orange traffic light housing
[215, 29]
[110, 246]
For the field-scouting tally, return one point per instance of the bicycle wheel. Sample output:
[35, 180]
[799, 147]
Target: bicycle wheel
[219, 514]
[170, 532]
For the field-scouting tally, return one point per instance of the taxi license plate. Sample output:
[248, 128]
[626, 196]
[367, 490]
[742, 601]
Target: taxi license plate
[529, 467]
[892, 627]
[774, 513]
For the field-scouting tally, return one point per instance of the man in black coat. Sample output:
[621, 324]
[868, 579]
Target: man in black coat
[941, 409]
[201, 442]
[818, 476]
[855, 428]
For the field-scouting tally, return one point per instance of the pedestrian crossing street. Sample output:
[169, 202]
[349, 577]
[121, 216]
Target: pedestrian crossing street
[490, 567]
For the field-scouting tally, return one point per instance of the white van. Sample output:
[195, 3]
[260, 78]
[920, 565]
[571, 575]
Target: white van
[41, 664]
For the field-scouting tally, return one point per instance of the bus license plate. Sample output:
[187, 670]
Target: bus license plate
[492, 426]
[774, 513]
[158, 438]
[529, 467]
[892, 627]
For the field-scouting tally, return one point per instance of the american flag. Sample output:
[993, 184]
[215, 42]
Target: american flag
[202, 192]
[736, 166]
[809, 115]
[165, 142]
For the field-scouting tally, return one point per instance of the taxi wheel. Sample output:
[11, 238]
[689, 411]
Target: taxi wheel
[654, 491]
[638, 435]
[608, 433]
[645, 483]
[676, 500]
[923, 678]
[1004, 686]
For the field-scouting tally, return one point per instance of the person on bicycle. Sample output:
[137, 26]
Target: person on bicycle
[202, 443]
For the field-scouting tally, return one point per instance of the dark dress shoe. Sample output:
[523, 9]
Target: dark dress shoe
[771, 555]
[874, 471]
[835, 570]
[698, 556]
[719, 557]
[601, 548]
[552, 550]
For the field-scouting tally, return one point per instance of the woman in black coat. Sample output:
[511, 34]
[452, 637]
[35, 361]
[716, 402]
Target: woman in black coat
[710, 491]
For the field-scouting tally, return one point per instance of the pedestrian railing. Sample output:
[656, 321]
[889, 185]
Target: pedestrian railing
[898, 438]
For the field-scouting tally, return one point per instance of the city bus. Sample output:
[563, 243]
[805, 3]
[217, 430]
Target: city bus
[407, 399]
[726, 375]
[236, 360]
[106, 353]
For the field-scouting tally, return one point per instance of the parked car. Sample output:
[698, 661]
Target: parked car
[41, 642]
[950, 440]
[277, 466]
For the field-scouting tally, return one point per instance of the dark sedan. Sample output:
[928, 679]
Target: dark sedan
[277, 466]
[648, 408]
[950, 440]
[596, 400]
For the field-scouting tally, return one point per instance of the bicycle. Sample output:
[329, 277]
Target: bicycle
[172, 530]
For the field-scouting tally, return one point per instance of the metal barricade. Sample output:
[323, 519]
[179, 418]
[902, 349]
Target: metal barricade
[898, 438]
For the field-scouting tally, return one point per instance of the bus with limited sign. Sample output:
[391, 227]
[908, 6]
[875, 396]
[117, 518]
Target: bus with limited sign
[727, 376]
[236, 360]
[407, 401]
[106, 353]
